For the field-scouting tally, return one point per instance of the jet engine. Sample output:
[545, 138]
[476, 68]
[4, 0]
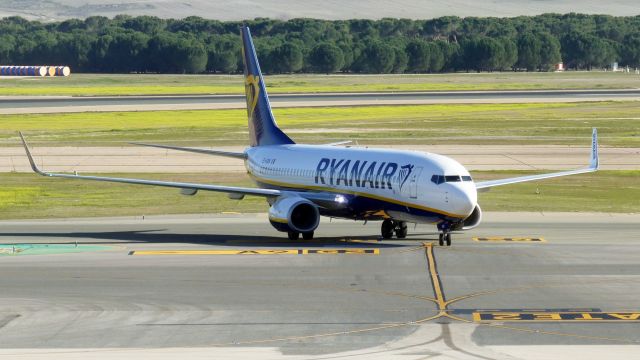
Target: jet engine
[473, 220]
[294, 214]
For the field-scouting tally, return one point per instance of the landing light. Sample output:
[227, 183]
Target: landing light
[340, 199]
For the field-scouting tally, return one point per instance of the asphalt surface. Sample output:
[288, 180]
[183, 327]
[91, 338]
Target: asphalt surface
[17, 104]
[378, 299]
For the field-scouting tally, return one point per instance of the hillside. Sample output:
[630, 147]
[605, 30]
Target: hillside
[49, 10]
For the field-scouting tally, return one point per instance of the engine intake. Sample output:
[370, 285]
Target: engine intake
[294, 214]
[473, 220]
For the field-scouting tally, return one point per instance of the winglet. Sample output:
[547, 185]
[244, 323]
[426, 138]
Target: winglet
[31, 161]
[595, 162]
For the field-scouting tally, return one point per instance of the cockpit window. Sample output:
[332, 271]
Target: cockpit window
[437, 179]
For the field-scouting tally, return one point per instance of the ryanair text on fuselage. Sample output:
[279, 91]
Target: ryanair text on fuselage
[360, 173]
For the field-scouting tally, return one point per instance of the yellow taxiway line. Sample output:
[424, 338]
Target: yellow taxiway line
[260, 252]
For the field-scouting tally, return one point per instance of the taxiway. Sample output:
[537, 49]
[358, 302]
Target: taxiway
[230, 285]
[58, 104]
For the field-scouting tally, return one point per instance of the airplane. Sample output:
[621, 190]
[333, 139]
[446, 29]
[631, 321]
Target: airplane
[301, 183]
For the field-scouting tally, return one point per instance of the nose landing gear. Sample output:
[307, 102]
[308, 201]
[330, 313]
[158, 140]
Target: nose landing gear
[444, 237]
[445, 234]
[389, 227]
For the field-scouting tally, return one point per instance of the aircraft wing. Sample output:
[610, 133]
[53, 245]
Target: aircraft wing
[196, 150]
[180, 185]
[593, 166]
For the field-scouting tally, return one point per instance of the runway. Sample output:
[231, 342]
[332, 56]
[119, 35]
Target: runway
[55, 104]
[229, 285]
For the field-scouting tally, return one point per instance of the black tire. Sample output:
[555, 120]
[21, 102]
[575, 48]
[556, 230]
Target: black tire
[387, 229]
[293, 235]
[441, 239]
[401, 230]
[307, 235]
[448, 238]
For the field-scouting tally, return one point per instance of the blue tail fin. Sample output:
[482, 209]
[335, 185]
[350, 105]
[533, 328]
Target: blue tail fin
[263, 129]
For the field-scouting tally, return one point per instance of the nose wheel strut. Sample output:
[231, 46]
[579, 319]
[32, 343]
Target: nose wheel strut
[444, 237]
[445, 234]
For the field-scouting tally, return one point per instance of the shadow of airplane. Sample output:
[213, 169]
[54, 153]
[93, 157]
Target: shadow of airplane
[157, 236]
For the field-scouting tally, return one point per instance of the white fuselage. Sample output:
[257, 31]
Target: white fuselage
[404, 185]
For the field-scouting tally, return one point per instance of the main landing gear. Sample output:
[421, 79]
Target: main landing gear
[294, 235]
[389, 227]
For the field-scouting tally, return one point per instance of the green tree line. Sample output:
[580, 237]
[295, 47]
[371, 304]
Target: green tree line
[194, 45]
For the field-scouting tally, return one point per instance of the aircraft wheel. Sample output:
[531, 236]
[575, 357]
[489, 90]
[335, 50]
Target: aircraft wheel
[293, 235]
[401, 230]
[307, 235]
[441, 239]
[448, 239]
[387, 228]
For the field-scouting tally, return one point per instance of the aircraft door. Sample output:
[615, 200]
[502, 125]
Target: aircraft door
[413, 185]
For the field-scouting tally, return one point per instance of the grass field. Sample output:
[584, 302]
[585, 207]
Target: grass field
[536, 123]
[31, 196]
[147, 84]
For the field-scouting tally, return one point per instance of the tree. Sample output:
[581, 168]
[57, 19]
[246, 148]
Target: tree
[177, 54]
[73, 50]
[549, 52]
[149, 25]
[127, 52]
[436, 57]
[191, 57]
[7, 44]
[224, 61]
[482, 53]
[584, 51]
[377, 58]
[529, 52]
[224, 54]
[418, 54]
[326, 58]
[630, 50]
[453, 55]
[98, 53]
[286, 58]
[144, 43]
[509, 54]
[401, 60]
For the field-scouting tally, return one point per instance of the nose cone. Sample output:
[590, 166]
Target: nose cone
[463, 198]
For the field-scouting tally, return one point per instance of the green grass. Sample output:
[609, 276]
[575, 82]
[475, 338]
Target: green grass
[32, 196]
[603, 191]
[134, 84]
[534, 123]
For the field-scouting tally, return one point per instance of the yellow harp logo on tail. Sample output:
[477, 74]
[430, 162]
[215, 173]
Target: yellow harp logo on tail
[252, 90]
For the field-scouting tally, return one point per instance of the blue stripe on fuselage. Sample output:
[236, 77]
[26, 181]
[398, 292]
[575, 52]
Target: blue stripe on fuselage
[362, 207]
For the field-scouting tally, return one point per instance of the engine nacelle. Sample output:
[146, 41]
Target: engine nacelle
[473, 220]
[294, 213]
